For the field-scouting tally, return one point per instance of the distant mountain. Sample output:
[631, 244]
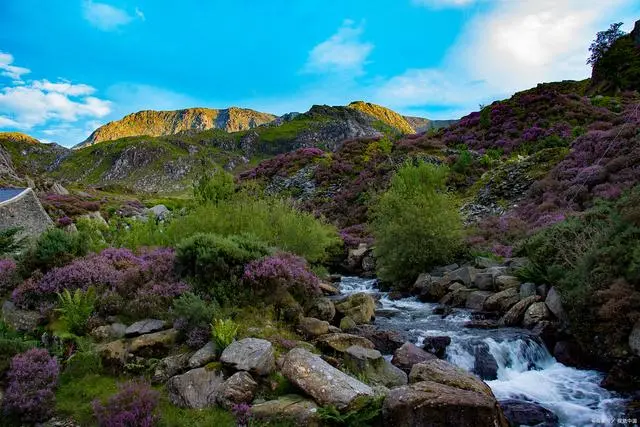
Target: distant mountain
[385, 115]
[420, 124]
[18, 136]
[23, 156]
[162, 123]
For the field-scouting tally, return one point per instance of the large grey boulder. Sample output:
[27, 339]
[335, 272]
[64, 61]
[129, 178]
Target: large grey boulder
[110, 332]
[457, 297]
[361, 307]
[326, 384]
[437, 345]
[527, 290]
[464, 275]
[430, 289]
[145, 326]
[161, 212]
[634, 338]
[484, 281]
[195, 389]
[443, 372]
[385, 341]
[341, 342]
[505, 282]
[170, 366]
[554, 302]
[311, 327]
[375, 368]
[408, 355]
[323, 309]
[514, 316]
[250, 354]
[203, 356]
[523, 413]
[20, 320]
[536, 313]
[476, 299]
[239, 388]
[294, 408]
[429, 403]
[502, 301]
[152, 345]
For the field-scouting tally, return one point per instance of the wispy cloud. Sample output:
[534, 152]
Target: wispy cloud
[106, 17]
[342, 52]
[8, 70]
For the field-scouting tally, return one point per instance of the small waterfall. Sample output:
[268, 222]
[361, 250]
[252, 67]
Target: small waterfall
[522, 366]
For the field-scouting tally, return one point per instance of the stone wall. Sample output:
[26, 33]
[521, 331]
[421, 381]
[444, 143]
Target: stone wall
[24, 211]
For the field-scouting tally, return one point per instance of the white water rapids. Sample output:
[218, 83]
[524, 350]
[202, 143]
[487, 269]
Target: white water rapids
[526, 370]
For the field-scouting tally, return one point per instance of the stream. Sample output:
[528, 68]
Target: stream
[526, 369]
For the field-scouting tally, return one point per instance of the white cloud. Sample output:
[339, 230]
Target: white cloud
[342, 52]
[63, 87]
[11, 71]
[443, 3]
[106, 17]
[511, 47]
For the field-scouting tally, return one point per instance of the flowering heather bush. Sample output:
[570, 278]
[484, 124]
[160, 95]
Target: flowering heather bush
[356, 234]
[141, 285]
[64, 221]
[242, 412]
[32, 379]
[8, 275]
[283, 164]
[134, 405]
[282, 273]
[68, 205]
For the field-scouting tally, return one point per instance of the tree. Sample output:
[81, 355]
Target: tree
[214, 187]
[604, 40]
[416, 223]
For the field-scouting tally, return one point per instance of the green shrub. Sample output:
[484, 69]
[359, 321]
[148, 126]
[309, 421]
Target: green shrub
[9, 241]
[416, 223]
[223, 332]
[12, 343]
[214, 187]
[75, 309]
[94, 232]
[367, 413]
[194, 309]
[53, 248]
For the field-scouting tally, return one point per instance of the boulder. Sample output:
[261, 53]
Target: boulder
[195, 389]
[497, 271]
[341, 342]
[443, 372]
[360, 307]
[239, 388]
[554, 302]
[505, 282]
[250, 354]
[464, 275]
[537, 312]
[441, 271]
[356, 257]
[114, 353]
[110, 332]
[476, 299]
[323, 309]
[437, 345]
[502, 301]
[385, 341]
[484, 281]
[569, 353]
[161, 212]
[485, 365]
[547, 331]
[484, 262]
[145, 326]
[457, 298]
[20, 320]
[410, 354]
[430, 289]
[542, 290]
[375, 368]
[528, 290]
[170, 366]
[293, 408]
[429, 403]
[517, 263]
[516, 313]
[203, 356]
[326, 384]
[151, 345]
[328, 289]
[634, 338]
[347, 324]
[311, 327]
[522, 413]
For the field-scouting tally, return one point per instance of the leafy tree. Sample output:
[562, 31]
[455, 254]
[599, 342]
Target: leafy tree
[603, 42]
[214, 187]
[416, 223]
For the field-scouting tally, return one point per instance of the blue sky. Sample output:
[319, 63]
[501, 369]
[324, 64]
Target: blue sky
[68, 66]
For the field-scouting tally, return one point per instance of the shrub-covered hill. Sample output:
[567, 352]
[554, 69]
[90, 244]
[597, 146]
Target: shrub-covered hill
[541, 154]
[160, 123]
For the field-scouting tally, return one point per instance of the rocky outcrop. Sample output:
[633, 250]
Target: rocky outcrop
[250, 354]
[160, 123]
[515, 315]
[326, 384]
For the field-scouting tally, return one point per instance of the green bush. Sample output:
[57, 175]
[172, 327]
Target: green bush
[75, 309]
[215, 263]
[94, 232]
[415, 223]
[12, 343]
[53, 248]
[214, 187]
[368, 413]
[223, 332]
[9, 241]
[194, 309]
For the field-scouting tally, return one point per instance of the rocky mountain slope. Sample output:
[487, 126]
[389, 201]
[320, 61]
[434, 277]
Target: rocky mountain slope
[160, 123]
[385, 115]
[420, 124]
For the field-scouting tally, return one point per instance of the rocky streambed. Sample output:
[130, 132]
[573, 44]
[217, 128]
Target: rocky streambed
[514, 362]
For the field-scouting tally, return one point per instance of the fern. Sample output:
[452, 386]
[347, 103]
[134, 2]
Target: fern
[76, 308]
[362, 416]
[223, 332]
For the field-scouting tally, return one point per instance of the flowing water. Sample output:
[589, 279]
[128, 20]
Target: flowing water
[526, 369]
